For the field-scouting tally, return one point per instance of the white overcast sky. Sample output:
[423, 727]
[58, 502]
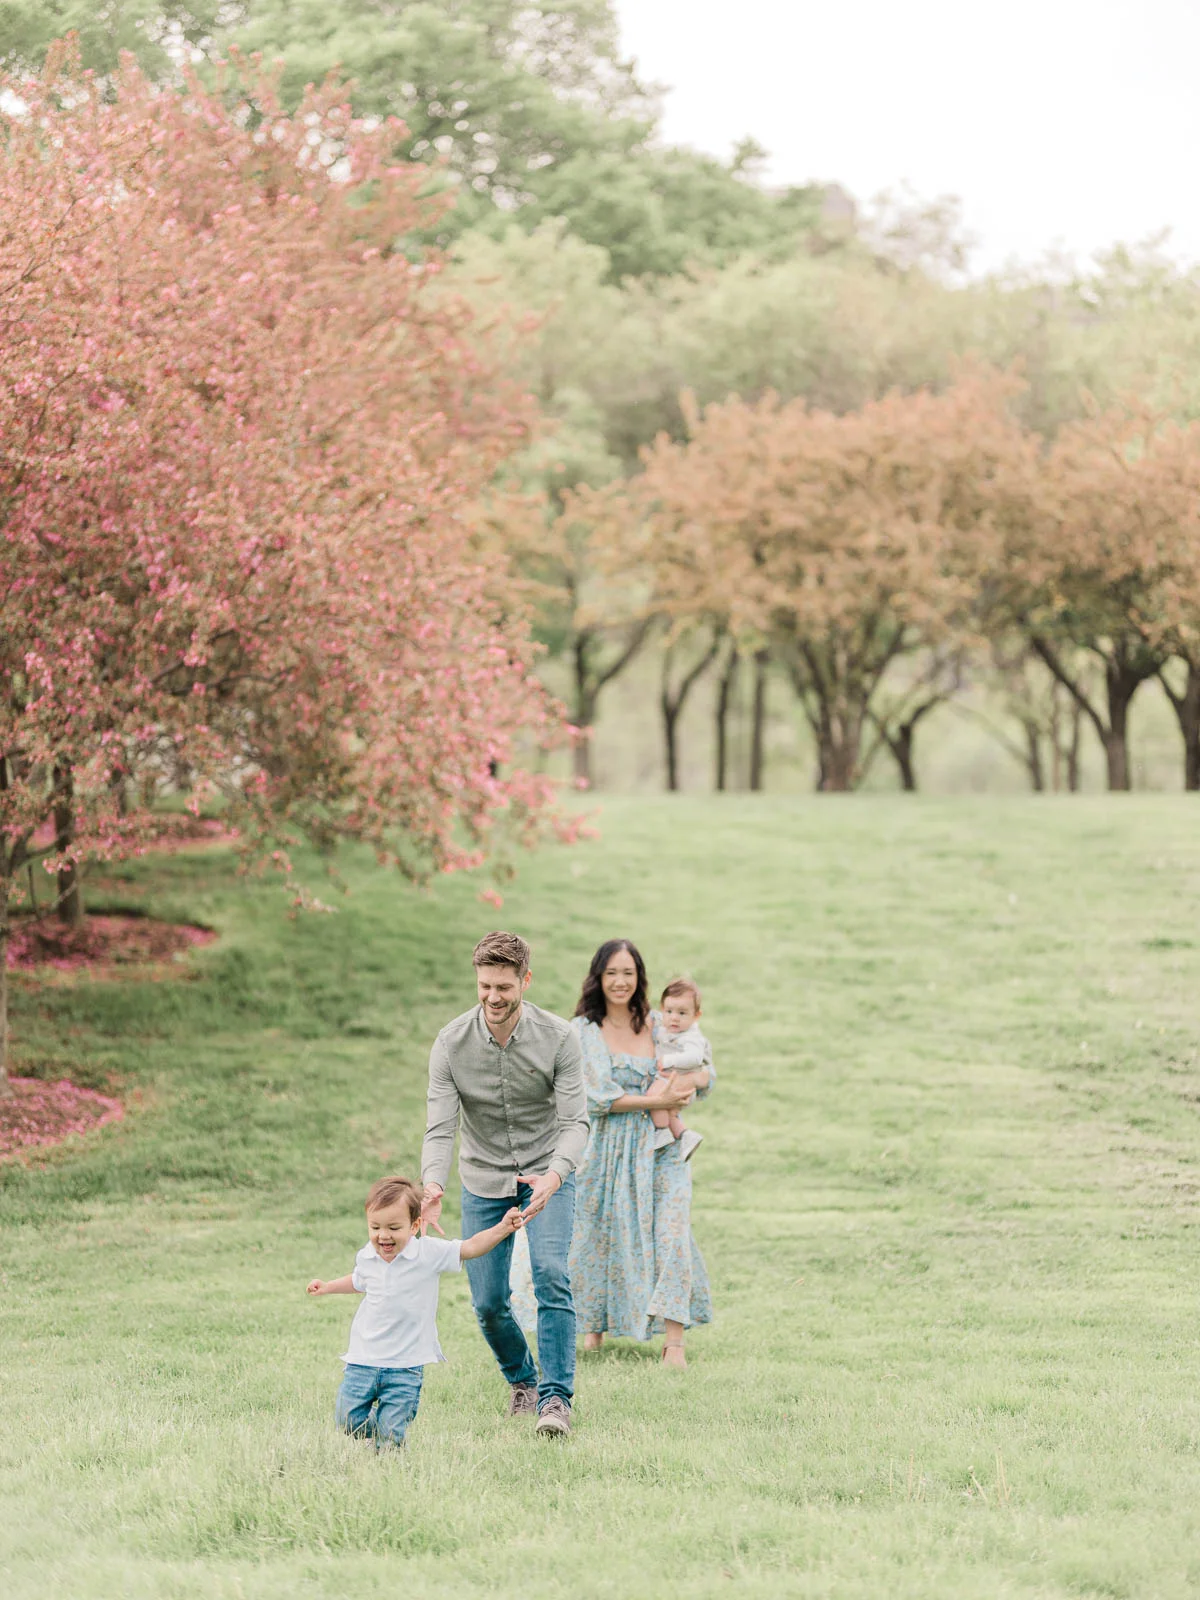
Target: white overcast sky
[1061, 124]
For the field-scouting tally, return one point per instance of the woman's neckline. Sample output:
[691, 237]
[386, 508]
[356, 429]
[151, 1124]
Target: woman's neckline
[628, 1054]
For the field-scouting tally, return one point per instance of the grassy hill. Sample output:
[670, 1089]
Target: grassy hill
[948, 1199]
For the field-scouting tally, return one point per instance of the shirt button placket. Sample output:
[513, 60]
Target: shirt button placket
[508, 1128]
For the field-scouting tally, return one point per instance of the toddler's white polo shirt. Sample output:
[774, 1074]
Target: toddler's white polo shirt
[396, 1324]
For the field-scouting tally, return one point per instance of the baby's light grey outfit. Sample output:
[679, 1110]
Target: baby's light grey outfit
[681, 1051]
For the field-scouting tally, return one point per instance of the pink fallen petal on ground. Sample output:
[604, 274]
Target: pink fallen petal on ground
[37, 1113]
[100, 941]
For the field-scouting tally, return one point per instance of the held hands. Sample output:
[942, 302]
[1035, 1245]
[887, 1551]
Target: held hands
[512, 1220]
[543, 1187]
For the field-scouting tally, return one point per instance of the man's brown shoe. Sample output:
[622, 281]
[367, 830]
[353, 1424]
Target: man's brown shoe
[523, 1402]
[554, 1419]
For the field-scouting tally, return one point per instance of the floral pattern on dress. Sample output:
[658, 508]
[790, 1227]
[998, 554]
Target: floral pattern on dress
[634, 1262]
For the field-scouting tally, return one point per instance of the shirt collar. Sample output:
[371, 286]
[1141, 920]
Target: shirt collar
[409, 1251]
[490, 1037]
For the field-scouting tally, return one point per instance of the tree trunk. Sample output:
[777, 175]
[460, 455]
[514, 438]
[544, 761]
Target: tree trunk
[758, 725]
[70, 894]
[671, 704]
[581, 753]
[901, 746]
[584, 711]
[1056, 744]
[1073, 749]
[588, 684]
[724, 695]
[1033, 757]
[670, 716]
[839, 762]
[1121, 687]
[5, 1086]
[1186, 707]
[1123, 672]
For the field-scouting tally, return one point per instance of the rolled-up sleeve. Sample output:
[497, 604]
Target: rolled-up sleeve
[571, 1107]
[441, 1118]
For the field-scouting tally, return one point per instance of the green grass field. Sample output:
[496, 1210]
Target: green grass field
[948, 1198]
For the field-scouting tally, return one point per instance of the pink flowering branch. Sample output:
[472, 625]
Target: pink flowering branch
[240, 444]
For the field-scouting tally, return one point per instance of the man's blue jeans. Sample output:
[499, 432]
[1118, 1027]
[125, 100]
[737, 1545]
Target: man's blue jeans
[549, 1235]
[378, 1402]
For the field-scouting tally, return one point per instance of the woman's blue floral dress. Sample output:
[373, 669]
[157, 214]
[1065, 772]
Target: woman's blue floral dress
[634, 1262]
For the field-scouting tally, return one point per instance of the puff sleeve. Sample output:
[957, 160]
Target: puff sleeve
[601, 1086]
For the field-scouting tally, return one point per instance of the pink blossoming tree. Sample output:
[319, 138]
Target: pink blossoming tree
[238, 445]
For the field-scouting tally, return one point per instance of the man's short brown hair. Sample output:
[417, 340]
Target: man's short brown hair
[503, 950]
[395, 1191]
[679, 986]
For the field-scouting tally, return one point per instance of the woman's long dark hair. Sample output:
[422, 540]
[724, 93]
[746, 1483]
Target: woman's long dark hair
[591, 1000]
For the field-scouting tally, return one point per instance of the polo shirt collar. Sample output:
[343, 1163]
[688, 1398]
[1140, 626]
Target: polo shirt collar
[409, 1251]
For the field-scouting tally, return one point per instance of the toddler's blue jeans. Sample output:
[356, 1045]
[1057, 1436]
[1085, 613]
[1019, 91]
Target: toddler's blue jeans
[378, 1402]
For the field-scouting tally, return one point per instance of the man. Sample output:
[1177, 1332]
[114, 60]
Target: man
[515, 1074]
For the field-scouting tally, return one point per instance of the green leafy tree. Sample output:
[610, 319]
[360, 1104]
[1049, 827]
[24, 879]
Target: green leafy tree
[161, 33]
[526, 108]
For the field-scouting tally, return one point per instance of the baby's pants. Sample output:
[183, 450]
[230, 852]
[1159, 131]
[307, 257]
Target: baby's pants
[378, 1402]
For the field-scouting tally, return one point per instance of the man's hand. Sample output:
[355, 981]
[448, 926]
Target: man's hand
[431, 1209]
[545, 1185]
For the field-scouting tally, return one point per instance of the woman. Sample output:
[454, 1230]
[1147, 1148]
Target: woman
[635, 1268]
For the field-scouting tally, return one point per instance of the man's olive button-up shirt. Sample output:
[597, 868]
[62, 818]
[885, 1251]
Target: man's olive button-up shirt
[522, 1105]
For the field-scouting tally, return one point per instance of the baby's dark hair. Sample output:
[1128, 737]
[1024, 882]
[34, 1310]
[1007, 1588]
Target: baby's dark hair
[395, 1191]
[681, 986]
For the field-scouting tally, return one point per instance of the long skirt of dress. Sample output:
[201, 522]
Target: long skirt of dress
[634, 1262]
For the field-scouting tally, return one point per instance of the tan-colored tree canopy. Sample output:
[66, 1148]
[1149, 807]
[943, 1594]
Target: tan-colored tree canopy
[842, 541]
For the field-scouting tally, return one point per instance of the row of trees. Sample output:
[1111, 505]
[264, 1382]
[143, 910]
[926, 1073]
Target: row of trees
[239, 436]
[880, 558]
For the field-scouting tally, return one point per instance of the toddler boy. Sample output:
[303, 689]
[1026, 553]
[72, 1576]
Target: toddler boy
[394, 1332]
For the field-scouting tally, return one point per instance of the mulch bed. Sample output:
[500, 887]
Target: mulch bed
[101, 941]
[180, 830]
[37, 1113]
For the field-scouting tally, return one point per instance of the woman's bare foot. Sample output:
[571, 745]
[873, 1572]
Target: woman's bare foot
[593, 1343]
[673, 1356]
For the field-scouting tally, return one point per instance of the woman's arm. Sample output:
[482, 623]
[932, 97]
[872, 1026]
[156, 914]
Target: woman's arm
[694, 1077]
[670, 1097]
[334, 1286]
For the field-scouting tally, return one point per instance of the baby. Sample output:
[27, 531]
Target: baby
[685, 1052]
[394, 1332]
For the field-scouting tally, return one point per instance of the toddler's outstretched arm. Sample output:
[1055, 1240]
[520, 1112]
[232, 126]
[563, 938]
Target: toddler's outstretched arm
[334, 1286]
[480, 1243]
